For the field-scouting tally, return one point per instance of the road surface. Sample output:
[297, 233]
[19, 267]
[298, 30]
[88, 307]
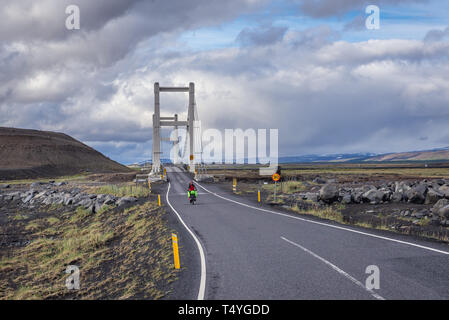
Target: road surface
[243, 252]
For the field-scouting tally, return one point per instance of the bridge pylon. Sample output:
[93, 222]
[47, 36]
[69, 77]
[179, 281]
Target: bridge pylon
[159, 122]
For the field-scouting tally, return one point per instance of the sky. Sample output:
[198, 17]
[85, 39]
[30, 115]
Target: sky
[310, 69]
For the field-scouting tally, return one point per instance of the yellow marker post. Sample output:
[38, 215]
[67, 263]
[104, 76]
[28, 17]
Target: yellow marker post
[159, 199]
[149, 185]
[174, 239]
[258, 195]
[234, 184]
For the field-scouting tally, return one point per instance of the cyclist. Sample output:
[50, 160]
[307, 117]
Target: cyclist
[192, 190]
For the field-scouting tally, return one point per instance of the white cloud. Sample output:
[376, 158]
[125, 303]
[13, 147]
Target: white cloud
[325, 95]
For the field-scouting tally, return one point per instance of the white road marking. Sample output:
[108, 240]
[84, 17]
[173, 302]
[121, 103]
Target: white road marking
[329, 225]
[333, 266]
[202, 287]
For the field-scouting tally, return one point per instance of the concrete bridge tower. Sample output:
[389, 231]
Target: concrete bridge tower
[159, 122]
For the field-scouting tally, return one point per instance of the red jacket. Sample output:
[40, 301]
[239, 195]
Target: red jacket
[192, 187]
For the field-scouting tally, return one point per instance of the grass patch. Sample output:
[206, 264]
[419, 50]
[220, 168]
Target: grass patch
[80, 215]
[279, 199]
[328, 213]
[123, 254]
[54, 206]
[287, 187]
[420, 222]
[130, 190]
[20, 216]
[52, 220]
[33, 226]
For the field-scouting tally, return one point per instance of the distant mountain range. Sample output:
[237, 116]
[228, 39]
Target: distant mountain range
[341, 157]
[438, 154]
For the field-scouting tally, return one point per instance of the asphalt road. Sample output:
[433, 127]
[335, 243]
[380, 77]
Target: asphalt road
[254, 254]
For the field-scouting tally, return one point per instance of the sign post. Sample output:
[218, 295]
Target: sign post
[275, 185]
[276, 177]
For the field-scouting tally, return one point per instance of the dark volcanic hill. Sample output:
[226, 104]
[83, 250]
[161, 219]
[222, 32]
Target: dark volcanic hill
[31, 153]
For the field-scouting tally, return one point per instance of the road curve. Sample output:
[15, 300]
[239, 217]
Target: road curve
[254, 254]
